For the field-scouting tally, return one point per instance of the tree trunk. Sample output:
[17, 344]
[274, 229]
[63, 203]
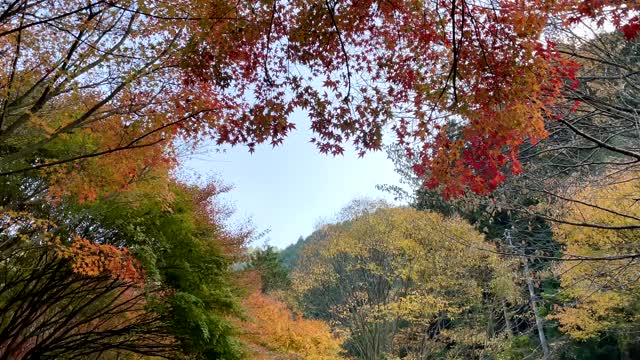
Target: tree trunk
[532, 300]
[534, 308]
[507, 320]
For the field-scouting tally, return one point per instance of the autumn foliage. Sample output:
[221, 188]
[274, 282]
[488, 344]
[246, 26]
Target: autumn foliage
[77, 299]
[92, 259]
[104, 251]
[273, 331]
[385, 278]
[460, 84]
[601, 295]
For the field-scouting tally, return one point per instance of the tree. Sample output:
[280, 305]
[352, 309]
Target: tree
[120, 77]
[600, 296]
[596, 136]
[274, 276]
[171, 235]
[270, 327]
[289, 255]
[181, 238]
[126, 76]
[594, 139]
[91, 304]
[385, 277]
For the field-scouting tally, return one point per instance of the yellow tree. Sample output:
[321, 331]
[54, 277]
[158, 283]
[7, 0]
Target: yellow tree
[402, 281]
[601, 279]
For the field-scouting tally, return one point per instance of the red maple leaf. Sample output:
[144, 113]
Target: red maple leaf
[631, 30]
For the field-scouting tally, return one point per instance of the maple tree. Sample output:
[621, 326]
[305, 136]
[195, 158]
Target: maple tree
[272, 330]
[53, 305]
[134, 76]
[595, 138]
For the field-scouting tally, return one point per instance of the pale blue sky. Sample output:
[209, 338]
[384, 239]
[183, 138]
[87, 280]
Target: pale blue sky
[289, 188]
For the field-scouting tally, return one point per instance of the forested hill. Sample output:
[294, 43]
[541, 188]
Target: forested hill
[291, 254]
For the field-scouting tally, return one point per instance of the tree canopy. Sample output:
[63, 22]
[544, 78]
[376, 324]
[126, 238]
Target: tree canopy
[234, 72]
[385, 278]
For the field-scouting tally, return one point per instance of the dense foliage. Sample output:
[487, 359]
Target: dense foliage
[385, 278]
[273, 274]
[603, 296]
[130, 76]
[515, 123]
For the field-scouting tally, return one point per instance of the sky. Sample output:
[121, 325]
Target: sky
[290, 188]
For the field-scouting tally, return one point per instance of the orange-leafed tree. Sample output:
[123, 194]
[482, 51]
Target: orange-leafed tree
[465, 81]
[272, 331]
[55, 305]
